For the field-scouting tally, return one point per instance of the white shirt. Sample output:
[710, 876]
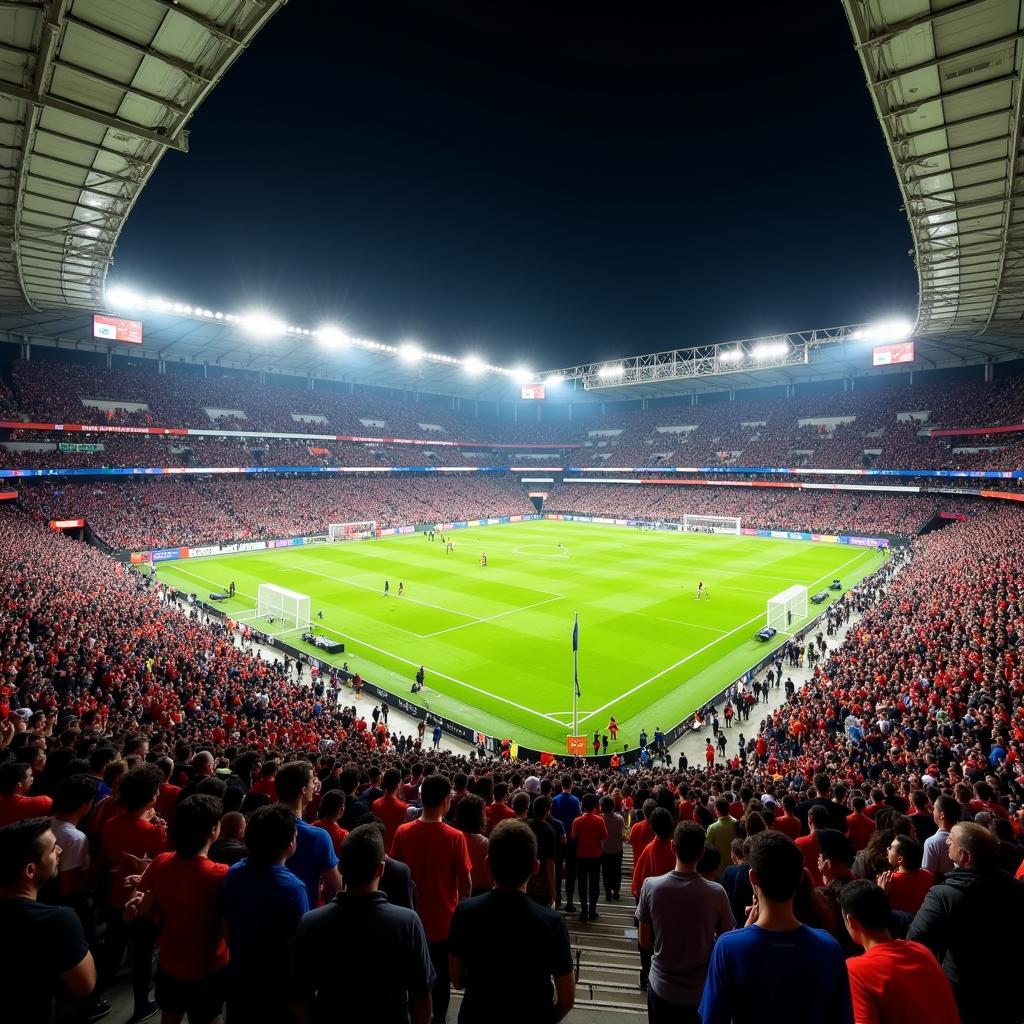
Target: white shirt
[936, 854]
[74, 846]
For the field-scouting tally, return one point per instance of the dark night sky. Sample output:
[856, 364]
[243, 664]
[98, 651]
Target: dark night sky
[538, 185]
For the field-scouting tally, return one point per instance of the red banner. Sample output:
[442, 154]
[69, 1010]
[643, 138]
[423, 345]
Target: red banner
[576, 745]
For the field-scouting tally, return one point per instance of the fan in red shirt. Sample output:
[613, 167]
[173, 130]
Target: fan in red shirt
[183, 891]
[498, 810]
[640, 834]
[15, 782]
[817, 818]
[788, 822]
[332, 806]
[907, 883]
[589, 831]
[894, 982]
[659, 857]
[389, 808]
[859, 827]
[439, 861]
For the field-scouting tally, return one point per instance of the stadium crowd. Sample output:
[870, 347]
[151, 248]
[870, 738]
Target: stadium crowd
[865, 835]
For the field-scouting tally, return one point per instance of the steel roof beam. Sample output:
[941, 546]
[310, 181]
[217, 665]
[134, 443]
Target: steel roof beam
[967, 90]
[211, 26]
[152, 97]
[960, 123]
[898, 28]
[935, 62]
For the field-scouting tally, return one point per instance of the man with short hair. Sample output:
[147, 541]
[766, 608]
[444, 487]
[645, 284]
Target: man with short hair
[439, 860]
[946, 812]
[395, 974]
[51, 954]
[659, 855]
[817, 820]
[680, 915]
[895, 981]
[504, 929]
[566, 808]
[263, 905]
[962, 909]
[589, 832]
[776, 952]
[835, 813]
[723, 830]
[389, 808]
[71, 803]
[906, 883]
[16, 779]
[314, 859]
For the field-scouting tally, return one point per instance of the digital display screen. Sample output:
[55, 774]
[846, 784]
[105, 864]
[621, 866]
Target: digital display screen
[116, 328]
[532, 391]
[889, 355]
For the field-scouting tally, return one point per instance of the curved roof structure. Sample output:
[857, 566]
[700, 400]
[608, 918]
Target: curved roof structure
[92, 94]
[945, 79]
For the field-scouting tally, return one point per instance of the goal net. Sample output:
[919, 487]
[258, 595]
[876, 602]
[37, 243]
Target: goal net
[787, 609]
[353, 531]
[712, 524]
[286, 606]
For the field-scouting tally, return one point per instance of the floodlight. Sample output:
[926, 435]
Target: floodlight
[522, 375]
[611, 370]
[329, 335]
[261, 324]
[123, 298]
[885, 331]
[770, 350]
[730, 355]
[555, 378]
[473, 365]
[410, 352]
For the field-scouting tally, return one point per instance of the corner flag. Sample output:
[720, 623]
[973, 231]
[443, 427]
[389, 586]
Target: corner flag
[575, 649]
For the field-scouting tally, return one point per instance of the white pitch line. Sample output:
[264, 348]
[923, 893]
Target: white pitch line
[679, 622]
[683, 661]
[491, 618]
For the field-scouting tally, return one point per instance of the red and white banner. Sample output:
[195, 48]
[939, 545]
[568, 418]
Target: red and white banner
[116, 328]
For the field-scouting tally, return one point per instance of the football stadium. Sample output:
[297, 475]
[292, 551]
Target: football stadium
[382, 637]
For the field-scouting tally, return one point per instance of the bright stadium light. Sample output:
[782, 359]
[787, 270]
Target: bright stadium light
[730, 355]
[123, 298]
[555, 378]
[522, 375]
[885, 331]
[410, 352]
[473, 365]
[261, 324]
[329, 335]
[611, 370]
[770, 350]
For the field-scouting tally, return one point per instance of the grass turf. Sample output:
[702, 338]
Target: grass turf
[496, 641]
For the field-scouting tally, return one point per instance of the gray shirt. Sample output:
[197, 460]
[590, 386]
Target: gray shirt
[686, 913]
[936, 854]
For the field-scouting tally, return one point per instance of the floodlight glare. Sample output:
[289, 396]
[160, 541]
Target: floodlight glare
[410, 352]
[123, 298]
[330, 336]
[611, 370]
[261, 324]
[522, 375]
[555, 378]
[730, 355]
[885, 331]
[473, 365]
[770, 350]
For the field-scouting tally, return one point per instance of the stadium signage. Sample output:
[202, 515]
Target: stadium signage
[890, 355]
[117, 328]
[68, 446]
[532, 392]
[66, 524]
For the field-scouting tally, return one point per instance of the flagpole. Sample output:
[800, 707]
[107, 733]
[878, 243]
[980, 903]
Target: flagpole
[575, 678]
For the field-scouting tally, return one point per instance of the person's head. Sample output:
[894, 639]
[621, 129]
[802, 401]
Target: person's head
[232, 826]
[776, 866]
[689, 842]
[15, 777]
[270, 835]
[589, 802]
[905, 853]
[435, 793]
[835, 853]
[566, 783]
[607, 805]
[332, 804]
[362, 857]
[392, 780]
[196, 824]
[500, 792]
[661, 823]
[140, 787]
[710, 863]
[512, 853]
[203, 763]
[295, 781]
[817, 817]
[973, 846]
[521, 804]
[74, 796]
[865, 910]
[822, 784]
[946, 812]
[648, 808]
[789, 803]
[469, 814]
[29, 855]
[541, 807]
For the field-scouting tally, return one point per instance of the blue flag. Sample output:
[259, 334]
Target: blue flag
[575, 648]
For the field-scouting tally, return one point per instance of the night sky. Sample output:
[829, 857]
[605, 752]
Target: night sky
[542, 185]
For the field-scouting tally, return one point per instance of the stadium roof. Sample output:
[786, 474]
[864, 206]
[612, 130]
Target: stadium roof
[92, 94]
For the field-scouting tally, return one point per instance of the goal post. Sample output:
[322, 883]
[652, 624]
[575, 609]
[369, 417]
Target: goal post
[363, 530]
[788, 609]
[274, 602]
[712, 524]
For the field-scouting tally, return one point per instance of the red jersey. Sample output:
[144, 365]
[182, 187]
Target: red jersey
[392, 812]
[658, 859]
[334, 830]
[810, 849]
[495, 813]
[589, 831]
[639, 836]
[188, 894]
[788, 824]
[900, 982]
[859, 829]
[907, 889]
[127, 834]
[439, 861]
[14, 807]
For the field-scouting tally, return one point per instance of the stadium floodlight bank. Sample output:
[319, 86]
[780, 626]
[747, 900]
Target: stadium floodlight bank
[363, 530]
[788, 609]
[280, 605]
[712, 524]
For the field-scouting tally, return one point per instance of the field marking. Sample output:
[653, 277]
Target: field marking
[491, 618]
[683, 661]
[679, 622]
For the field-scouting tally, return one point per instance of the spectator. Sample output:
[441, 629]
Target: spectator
[314, 860]
[817, 819]
[439, 860]
[611, 849]
[659, 855]
[332, 806]
[72, 802]
[589, 833]
[183, 891]
[389, 808]
[542, 886]
[936, 848]
[53, 957]
[906, 883]
[490, 932]
[680, 914]
[566, 808]
[961, 909]
[895, 981]
[470, 820]
[775, 952]
[723, 830]
[16, 780]
[395, 969]
[263, 904]
[229, 847]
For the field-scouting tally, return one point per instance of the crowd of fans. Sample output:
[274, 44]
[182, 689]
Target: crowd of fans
[160, 785]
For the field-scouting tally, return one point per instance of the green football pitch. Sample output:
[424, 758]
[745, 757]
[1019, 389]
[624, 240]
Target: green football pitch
[496, 642]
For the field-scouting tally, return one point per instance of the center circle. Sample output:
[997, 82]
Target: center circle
[542, 551]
